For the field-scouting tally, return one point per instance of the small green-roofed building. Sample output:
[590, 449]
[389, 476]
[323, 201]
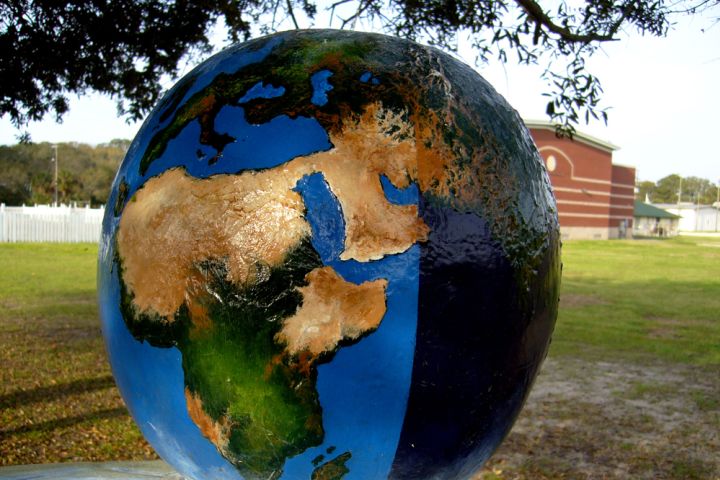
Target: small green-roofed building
[651, 221]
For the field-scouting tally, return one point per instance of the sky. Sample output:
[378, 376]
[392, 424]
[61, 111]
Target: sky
[663, 94]
[664, 99]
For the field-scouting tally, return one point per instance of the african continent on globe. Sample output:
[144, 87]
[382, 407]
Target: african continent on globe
[329, 255]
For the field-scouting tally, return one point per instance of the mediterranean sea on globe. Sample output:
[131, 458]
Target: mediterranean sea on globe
[329, 255]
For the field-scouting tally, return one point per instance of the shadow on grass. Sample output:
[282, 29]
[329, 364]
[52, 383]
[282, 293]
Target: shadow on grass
[51, 425]
[45, 394]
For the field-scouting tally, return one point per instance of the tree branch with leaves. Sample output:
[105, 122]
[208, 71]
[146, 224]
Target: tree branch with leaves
[129, 48]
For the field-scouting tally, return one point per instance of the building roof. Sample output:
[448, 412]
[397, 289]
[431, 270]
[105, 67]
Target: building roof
[579, 136]
[647, 210]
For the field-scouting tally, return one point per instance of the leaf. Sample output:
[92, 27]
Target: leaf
[550, 109]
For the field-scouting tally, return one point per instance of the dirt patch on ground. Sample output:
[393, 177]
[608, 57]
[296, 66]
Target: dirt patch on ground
[607, 420]
[576, 300]
[670, 328]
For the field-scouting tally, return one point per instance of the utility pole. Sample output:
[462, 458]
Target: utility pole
[717, 206]
[680, 192]
[55, 181]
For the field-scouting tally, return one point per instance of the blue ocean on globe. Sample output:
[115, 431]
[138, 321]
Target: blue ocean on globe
[442, 303]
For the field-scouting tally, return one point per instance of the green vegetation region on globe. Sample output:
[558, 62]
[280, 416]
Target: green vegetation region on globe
[329, 255]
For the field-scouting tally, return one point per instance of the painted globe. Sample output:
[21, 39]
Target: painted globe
[329, 255]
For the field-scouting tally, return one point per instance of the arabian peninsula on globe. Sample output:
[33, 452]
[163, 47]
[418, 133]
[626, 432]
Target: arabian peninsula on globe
[329, 255]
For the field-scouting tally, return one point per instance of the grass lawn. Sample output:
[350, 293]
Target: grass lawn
[635, 306]
[656, 299]
[58, 401]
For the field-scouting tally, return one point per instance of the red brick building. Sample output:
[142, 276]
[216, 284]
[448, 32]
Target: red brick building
[595, 197]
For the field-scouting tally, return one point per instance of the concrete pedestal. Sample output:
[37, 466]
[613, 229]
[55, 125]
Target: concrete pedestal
[155, 470]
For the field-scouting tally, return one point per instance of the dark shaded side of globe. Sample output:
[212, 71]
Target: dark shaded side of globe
[238, 348]
[488, 292]
[470, 373]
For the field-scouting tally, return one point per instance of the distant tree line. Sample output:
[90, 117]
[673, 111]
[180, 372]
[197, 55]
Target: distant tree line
[674, 189]
[85, 172]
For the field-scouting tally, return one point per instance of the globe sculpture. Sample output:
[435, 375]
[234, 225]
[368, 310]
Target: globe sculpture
[329, 255]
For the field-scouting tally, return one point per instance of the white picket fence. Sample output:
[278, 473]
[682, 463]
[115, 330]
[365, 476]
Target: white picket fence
[44, 223]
